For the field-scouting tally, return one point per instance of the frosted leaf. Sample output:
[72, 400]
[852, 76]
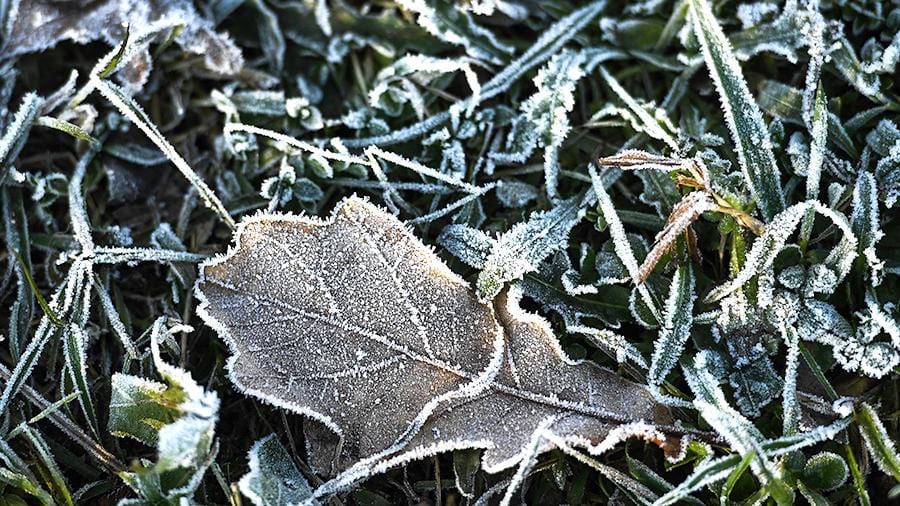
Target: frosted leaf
[659, 191]
[138, 408]
[310, 117]
[259, 102]
[467, 244]
[548, 44]
[273, 480]
[610, 269]
[755, 385]
[37, 26]
[878, 440]
[866, 224]
[676, 327]
[621, 244]
[279, 190]
[821, 322]
[488, 7]
[307, 191]
[745, 121]
[783, 35]
[766, 248]
[16, 132]
[356, 324]
[544, 117]
[637, 159]
[792, 277]
[818, 119]
[874, 359]
[885, 141]
[864, 75]
[883, 137]
[742, 435]
[515, 194]
[752, 14]
[178, 417]
[683, 215]
[571, 278]
[790, 405]
[819, 279]
[394, 84]
[864, 351]
[448, 23]
[522, 248]
[577, 311]
[656, 125]
[115, 321]
[270, 36]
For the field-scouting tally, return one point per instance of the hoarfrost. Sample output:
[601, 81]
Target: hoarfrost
[37, 26]
[453, 25]
[544, 120]
[526, 244]
[866, 223]
[863, 351]
[745, 121]
[273, 480]
[486, 377]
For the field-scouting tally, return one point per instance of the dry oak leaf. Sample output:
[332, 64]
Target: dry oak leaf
[358, 325]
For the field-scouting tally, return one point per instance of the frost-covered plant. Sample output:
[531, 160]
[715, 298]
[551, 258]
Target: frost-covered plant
[283, 249]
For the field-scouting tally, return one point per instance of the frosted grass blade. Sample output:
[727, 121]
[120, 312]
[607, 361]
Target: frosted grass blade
[745, 120]
[130, 109]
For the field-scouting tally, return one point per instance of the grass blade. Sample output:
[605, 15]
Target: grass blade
[745, 120]
[137, 115]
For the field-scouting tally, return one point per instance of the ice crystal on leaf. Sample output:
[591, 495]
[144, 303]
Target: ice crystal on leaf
[273, 480]
[745, 121]
[449, 23]
[356, 324]
[864, 351]
[766, 248]
[748, 336]
[676, 328]
[467, 244]
[866, 223]
[525, 245]
[37, 26]
[178, 417]
[570, 302]
[544, 120]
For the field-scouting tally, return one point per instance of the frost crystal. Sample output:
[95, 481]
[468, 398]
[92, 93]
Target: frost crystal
[467, 244]
[676, 327]
[745, 121]
[273, 480]
[178, 418]
[866, 224]
[523, 247]
[448, 23]
[36, 26]
[863, 352]
[767, 247]
[544, 120]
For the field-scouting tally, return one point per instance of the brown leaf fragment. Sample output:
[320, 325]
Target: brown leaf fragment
[683, 215]
[636, 159]
[356, 324]
[38, 25]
